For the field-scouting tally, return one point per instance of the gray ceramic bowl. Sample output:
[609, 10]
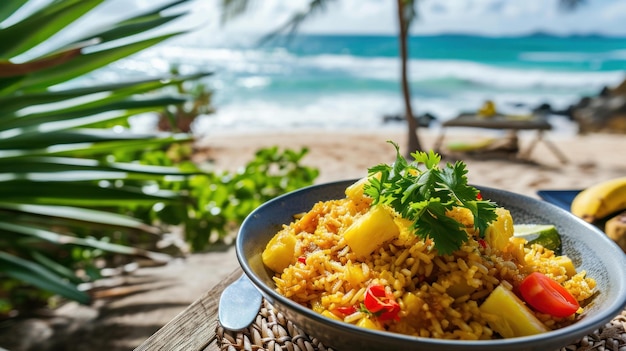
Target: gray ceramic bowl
[588, 247]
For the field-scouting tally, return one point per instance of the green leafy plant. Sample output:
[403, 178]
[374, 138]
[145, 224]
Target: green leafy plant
[422, 192]
[56, 179]
[217, 202]
[221, 201]
[180, 118]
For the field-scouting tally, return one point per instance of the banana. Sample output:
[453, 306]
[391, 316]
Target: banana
[615, 229]
[600, 200]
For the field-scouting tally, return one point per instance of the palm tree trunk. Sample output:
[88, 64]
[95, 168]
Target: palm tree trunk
[413, 140]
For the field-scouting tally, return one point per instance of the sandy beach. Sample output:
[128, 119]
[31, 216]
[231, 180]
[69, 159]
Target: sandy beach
[344, 155]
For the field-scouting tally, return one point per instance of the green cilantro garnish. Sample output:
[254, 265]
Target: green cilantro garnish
[422, 192]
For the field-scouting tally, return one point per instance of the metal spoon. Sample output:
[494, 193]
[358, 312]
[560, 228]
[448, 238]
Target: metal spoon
[239, 304]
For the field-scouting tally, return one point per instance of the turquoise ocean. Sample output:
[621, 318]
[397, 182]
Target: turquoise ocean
[349, 82]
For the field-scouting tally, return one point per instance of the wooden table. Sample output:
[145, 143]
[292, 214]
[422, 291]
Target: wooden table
[503, 122]
[194, 328]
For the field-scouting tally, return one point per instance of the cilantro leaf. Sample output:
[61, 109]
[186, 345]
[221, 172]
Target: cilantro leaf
[434, 224]
[423, 192]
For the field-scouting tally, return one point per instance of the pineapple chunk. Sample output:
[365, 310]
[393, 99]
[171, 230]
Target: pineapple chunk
[369, 324]
[370, 231]
[459, 289]
[462, 215]
[354, 274]
[328, 314]
[355, 191]
[509, 316]
[412, 303]
[316, 305]
[516, 248]
[279, 252]
[566, 263]
[500, 231]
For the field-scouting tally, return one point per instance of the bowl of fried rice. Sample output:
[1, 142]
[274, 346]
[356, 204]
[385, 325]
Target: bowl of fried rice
[358, 275]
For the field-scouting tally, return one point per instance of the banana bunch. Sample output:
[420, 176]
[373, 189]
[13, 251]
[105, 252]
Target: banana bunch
[600, 200]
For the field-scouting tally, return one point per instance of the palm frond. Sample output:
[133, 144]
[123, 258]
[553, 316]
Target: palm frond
[73, 214]
[293, 24]
[11, 104]
[42, 234]
[85, 63]
[39, 276]
[56, 180]
[138, 24]
[233, 8]
[41, 25]
[8, 8]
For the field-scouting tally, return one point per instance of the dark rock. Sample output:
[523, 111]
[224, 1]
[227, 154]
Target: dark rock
[423, 120]
[603, 113]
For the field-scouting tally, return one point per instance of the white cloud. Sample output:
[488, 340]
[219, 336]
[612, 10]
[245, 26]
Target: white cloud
[614, 11]
[489, 17]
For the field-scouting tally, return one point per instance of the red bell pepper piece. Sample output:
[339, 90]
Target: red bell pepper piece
[381, 303]
[345, 310]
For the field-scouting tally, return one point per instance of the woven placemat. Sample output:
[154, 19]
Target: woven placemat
[272, 331]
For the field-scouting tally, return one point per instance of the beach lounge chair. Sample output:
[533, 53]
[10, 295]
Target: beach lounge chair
[512, 123]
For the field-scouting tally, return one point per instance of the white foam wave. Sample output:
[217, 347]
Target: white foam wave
[344, 111]
[356, 111]
[565, 56]
[248, 71]
[491, 76]
[466, 72]
[280, 62]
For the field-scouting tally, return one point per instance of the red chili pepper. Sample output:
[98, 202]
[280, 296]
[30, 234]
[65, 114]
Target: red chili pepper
[482, 243]
[547, 295]
[391, 314]
[382, 303]
[479, 197]
[302, 259]
[345, 310]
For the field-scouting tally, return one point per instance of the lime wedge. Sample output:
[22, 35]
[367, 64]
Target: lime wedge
[544, 234]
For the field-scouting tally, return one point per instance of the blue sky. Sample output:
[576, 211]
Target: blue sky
[488, 17]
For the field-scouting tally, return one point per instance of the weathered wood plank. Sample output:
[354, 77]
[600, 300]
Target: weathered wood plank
[194, 328]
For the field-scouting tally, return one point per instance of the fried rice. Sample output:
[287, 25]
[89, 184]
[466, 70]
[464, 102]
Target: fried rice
[439, 295]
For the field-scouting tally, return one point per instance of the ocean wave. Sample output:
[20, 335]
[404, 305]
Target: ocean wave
[465, 73]
[277, 89]
[483, 75]
[343, 111]
[362, 111]
[568, 56]
[445, 72]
